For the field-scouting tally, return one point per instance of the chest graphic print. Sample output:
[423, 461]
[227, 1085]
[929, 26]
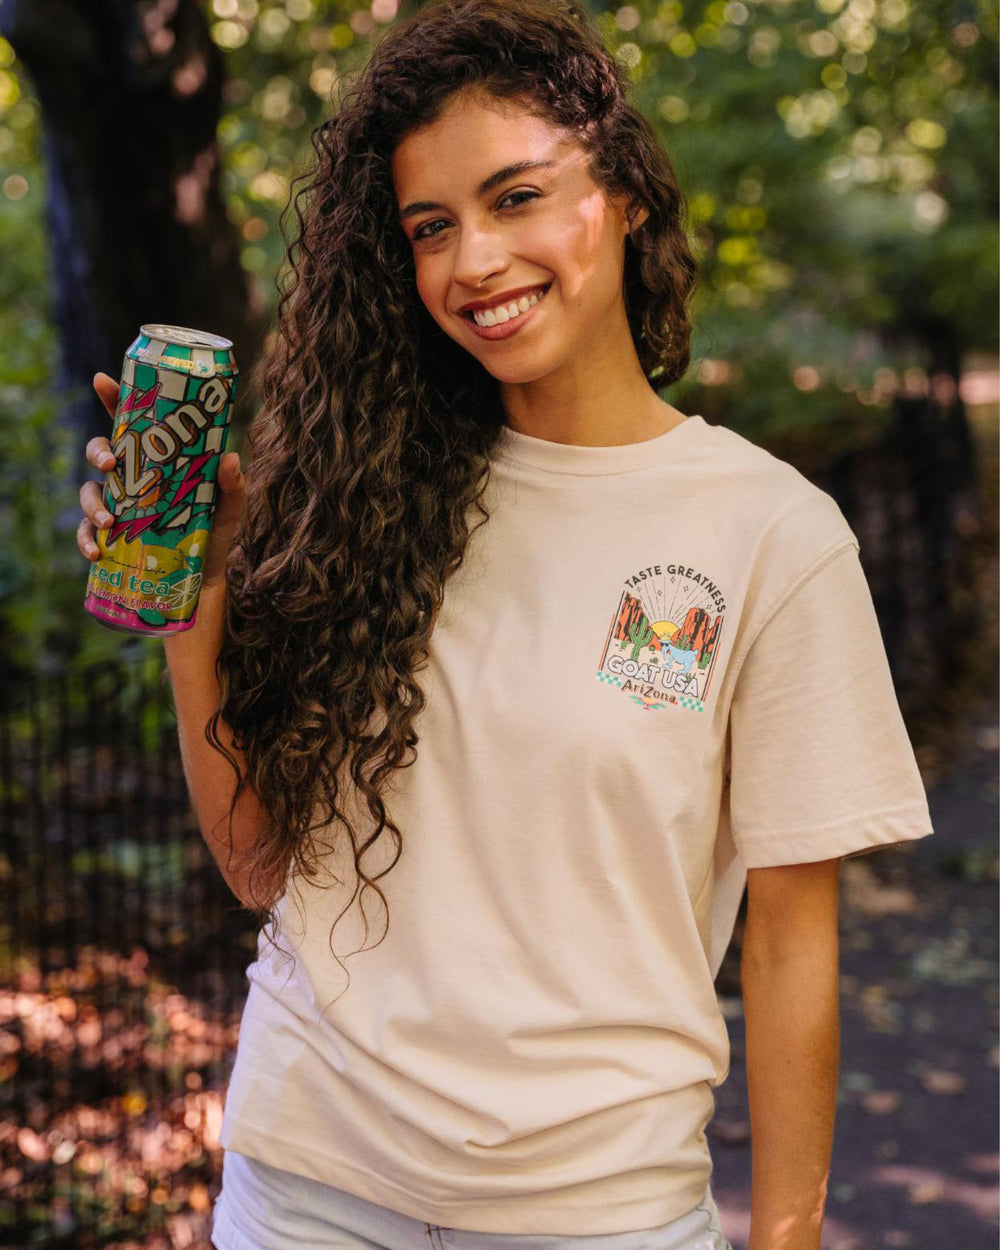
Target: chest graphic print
[664, 637]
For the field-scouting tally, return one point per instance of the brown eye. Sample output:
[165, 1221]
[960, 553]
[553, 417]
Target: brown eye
[532, 195]
[419, 232]
[424, 231]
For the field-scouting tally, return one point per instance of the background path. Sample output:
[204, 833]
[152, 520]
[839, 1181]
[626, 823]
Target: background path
[915, 1154]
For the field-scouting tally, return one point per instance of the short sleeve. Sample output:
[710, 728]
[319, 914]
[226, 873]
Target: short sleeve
[821, 765]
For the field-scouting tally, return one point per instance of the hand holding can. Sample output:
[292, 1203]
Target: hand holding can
[228, 506]
[164, 469]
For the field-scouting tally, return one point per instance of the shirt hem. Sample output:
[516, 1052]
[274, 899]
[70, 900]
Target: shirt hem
[463, 1214]
[843, 840]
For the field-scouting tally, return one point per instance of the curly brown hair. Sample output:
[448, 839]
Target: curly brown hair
[373, 442]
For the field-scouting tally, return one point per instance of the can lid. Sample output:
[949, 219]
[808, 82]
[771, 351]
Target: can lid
[186, 336]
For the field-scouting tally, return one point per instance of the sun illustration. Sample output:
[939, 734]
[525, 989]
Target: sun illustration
[665, 630]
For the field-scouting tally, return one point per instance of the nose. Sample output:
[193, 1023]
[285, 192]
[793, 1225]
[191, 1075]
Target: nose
[478, 255]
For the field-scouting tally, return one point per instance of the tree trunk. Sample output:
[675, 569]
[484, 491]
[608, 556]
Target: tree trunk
[130, 92]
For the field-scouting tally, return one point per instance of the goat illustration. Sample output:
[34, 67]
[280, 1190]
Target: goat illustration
[677, 655]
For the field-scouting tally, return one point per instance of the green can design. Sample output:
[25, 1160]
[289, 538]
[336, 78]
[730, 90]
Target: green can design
[171, 423]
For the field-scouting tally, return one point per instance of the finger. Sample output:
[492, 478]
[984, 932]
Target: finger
[231, 485]
[92, 503]
[107, 391]
[231, 492]
[230, 473]
[85, 539]
[99, 453]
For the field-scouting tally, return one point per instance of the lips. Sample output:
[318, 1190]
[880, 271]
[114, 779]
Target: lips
[508, 297]
[505, 326]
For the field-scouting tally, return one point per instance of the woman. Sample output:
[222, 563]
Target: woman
[576, 667]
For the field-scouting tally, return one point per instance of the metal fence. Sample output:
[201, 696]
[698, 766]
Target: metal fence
[122, 958]
[919, 496]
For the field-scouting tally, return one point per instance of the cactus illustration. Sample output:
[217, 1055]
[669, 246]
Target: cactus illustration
[641, 636]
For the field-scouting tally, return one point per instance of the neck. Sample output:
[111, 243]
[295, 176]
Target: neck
[600, 398]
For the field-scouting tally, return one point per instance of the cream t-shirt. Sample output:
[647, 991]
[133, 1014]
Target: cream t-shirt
[658, 665]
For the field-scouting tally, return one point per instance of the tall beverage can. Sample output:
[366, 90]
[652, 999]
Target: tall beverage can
[170, 429]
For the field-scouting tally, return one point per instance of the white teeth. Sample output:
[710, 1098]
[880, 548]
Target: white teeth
[506, 312]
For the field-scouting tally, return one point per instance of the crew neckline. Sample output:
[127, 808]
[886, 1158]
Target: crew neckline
[543, 453]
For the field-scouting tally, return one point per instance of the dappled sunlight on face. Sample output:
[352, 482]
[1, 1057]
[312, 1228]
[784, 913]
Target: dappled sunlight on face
[594, 223]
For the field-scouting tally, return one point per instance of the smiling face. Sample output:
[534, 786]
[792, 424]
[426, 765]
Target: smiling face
[500, 210]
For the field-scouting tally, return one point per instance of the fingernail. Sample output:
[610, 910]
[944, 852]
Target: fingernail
[106, 461]
[105, 518]
[92, 550]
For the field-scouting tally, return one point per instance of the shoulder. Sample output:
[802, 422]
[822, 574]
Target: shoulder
[772, 527]
[777, 508]
[752, 464]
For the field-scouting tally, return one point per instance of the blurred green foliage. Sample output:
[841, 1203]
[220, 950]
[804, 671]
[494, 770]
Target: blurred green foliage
[840, 163]
[32, 458]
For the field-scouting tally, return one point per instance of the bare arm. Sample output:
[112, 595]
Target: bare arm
[191, 657]
[790, 975]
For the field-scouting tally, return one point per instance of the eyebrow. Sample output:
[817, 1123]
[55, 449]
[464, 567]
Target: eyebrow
[488, 184]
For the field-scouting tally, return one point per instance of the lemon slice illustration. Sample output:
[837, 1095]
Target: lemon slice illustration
[181, 592]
